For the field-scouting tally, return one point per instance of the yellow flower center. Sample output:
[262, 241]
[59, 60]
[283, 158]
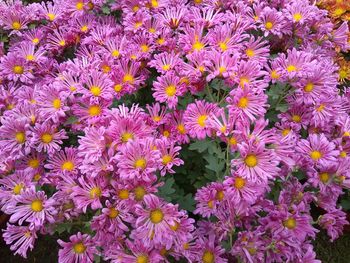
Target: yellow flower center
[268, 25]
[160, 41]
[140, 192]
[166, 159]
[142, 259]
[20, 137]
[16, 25]
[197, 46]
[118, 88]
[128, 78]
[346, 134]
[320, 108]
[243, 81]
[208, 257]
[79, 248]
[250, 53]
[37, 206]
[17, 69]
[95, 192]
[166, 133]
[30, 57]
[274, 74]
[123, 194]
[181, 129]
[35, 40]
[223, 46]
[84, 28]
[243, 103]
[138, 24]
[219, 195]
[211, 204]
[106, 68]
[309, 87]
[140, 163]
[285, 132]
[127, 136]
[251, 160]
[232, 141]
[315, 155]
[144, 48]
[290, 223]
[170, 90]
[201, 120]
[27, 234]
[239, 183]
[94, 110]
[156, 216]
[166, 67]
[33, 163]
[324, 177]
[79, 6]
[68, 166]
[17, 189]
[297, 17]
[291, 68]
[343, 74]
[115, 53]
[62, 43]
[175, 227]
[46, 138]
[343, 154]
[339, 11]
[95, 90]
[222, 69]
[296, 118]
[51, 16]
[113, 213]
[37, 177]
[186, 246]
[56, 103]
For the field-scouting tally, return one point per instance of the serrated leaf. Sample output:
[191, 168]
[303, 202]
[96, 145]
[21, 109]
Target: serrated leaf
[167, 189]
[187, 202]
[199, 146]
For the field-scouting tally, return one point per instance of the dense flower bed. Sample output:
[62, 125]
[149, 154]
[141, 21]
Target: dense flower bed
[158, 131]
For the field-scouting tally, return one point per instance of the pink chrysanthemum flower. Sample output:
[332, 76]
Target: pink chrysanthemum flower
[113, 218]
[296, 224]
[208, 251]
[124, 130]
[16, 68]
[239, 189]
[245, 103]
[90, 191]
[272, 22]
[317, 149]
[15, 140]
[257, 49]
[256, 163]
[99, 86]
[333, 222]
[139, 253]
[92, 144]
[164, 62]
[221, 65]
[66, 161]
[196, 118]
[80, 248]
[172, 16]
[21, 239]
[11, 186]
[209, 199]
[167, 89]
[51, 102]
[178, 127]
[47, 138]
[138, 160]
[32, 207]
[158, 114]
[155, 220]
[169, 155]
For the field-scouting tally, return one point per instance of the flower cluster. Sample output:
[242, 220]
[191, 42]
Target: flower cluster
[82, 144]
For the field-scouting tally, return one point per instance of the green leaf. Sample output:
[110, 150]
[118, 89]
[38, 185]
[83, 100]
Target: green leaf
[199, 146]
[186, 202]
[167, 189]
